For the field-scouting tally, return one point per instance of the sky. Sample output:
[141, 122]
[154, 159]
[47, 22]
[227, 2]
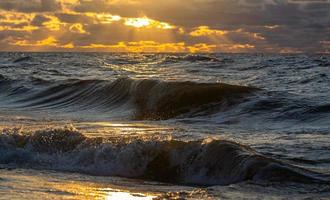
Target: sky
[268, 26]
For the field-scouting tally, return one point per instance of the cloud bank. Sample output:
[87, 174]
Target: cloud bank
[286, 26]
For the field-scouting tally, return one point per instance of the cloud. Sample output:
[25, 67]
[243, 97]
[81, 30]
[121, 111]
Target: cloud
[39, 20]
[201, 25]
[29, 6]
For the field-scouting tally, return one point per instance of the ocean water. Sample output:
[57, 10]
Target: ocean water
[164, 126]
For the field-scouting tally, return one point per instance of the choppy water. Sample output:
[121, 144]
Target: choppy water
[202, 126]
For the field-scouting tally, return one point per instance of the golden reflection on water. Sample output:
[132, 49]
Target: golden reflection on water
[124, 129]
[127, 196]
[44, 185]
[83, 190]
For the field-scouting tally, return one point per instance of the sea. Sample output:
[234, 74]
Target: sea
[164, 126]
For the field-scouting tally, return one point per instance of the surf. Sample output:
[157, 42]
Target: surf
[199, 162]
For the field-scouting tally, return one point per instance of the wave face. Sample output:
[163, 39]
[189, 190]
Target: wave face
[150, 99]
[206, 162]
[160, 100]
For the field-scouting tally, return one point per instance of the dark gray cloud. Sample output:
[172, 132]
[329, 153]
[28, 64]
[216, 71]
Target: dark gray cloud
[29, 6]
[38, 20]
[74, 18]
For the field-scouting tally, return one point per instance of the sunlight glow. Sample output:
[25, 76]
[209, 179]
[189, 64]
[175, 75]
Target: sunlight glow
[146, 22]
[138, 22]
[127, 196]
[141, 46]
[103, 18]
[142, 34]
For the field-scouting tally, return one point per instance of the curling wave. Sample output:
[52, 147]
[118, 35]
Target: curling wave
[150, 99]
[207, 162]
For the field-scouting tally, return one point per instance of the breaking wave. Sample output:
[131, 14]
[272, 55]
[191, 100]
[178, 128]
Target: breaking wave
[203, 162]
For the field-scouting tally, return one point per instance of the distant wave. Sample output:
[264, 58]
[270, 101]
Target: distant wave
[207, 162]
[151, 99]
[190, 58]
[22, 59]
[285, 107]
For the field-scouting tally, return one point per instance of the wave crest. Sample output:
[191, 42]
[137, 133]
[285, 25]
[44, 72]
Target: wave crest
[150, 99]
[204, 162]
[164, 100]
[190, 58]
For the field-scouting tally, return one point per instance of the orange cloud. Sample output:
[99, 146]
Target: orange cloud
[103, 18]
[50, 41]
[207, 48]
[42, 44]
[141, 46]
[206, 31]
[77, 28]
[152, 46]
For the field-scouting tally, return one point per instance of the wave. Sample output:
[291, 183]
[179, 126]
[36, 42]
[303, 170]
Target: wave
[164, 100]
[279, 106]
[150, 99]
[190, 58]
[322, 62]
[204, 162]
[22, 59]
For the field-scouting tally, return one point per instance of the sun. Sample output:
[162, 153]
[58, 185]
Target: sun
[146, 22]
[138, 22]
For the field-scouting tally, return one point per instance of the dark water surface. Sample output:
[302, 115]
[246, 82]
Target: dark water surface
[199, 126]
